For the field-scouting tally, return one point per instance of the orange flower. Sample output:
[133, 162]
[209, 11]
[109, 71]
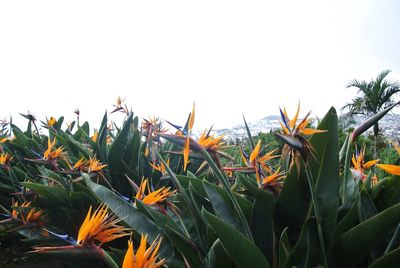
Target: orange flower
[274, 179]
[51, 154]
[33, 216]
[144, 257]
[51, 121]
[296, 144]
[99, 226]
[94, 165]
[209, 142]
[80, 164]
[259, 163]
[160, 167]
[152, 197]
[360, 166]
[5, 158]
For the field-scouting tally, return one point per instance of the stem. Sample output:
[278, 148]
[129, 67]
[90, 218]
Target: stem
[37, 130]
[317, 216]
[346, 169]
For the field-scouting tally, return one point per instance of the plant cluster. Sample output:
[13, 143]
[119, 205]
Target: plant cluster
[142, 195]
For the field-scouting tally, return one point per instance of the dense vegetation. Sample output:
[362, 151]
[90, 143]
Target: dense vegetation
[140, 195]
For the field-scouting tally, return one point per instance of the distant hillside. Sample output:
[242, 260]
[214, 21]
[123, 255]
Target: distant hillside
[389, 126]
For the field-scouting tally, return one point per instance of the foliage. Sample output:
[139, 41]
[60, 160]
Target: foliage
[240, 205]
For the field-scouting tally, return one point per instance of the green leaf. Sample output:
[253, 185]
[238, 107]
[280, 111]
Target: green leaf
[252, 146]
[306, 252]
[221, 208]
[366, 206]
[325, 171]
[184, 244]
[261, 222]
[100, 149]
[350, 220]
[284, 248]
[292, 205]
[115, 156]
[245, 205]
[390, 259]
[354, 245]
[217, 256]
[239, 248]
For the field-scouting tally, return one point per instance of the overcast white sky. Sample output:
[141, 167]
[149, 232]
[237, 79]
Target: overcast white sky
[231, 57]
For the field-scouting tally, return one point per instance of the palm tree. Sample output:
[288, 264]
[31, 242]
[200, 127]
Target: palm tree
[372, 97]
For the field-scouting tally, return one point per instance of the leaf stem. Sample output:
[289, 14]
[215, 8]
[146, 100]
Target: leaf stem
[317, 216]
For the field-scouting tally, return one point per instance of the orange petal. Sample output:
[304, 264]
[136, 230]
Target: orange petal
[191, 118]
[371, 163]
[292, 122]
[285, 130]
[311, 131]
[186, 153]
[255, 152]
[392, 169]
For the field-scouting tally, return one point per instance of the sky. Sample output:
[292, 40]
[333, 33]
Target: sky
[229, 57]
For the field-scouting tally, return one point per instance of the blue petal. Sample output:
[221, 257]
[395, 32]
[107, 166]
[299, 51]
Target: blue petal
[284, 118]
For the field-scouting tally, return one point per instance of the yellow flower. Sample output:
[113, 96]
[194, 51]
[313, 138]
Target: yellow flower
[94, 165]
[152, 197]
[3, 140]
[95, 135]
[359, 166]
[144, 257]
[99, 226]
[5, 158]
[51, 154]
[51, 121]
[391, 169]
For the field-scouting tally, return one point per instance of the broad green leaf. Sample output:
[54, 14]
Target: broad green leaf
[391, 259]
[245, 204]
[261, 222]
[221, 208]
[284, 249]
[115, 156]
[350, 220]
[325, 171]
[183, 243]
[100, 149]
[366, 206]
[293, 204]
[217, 256]
[354, 245]
[241, 250]
[306, 252]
